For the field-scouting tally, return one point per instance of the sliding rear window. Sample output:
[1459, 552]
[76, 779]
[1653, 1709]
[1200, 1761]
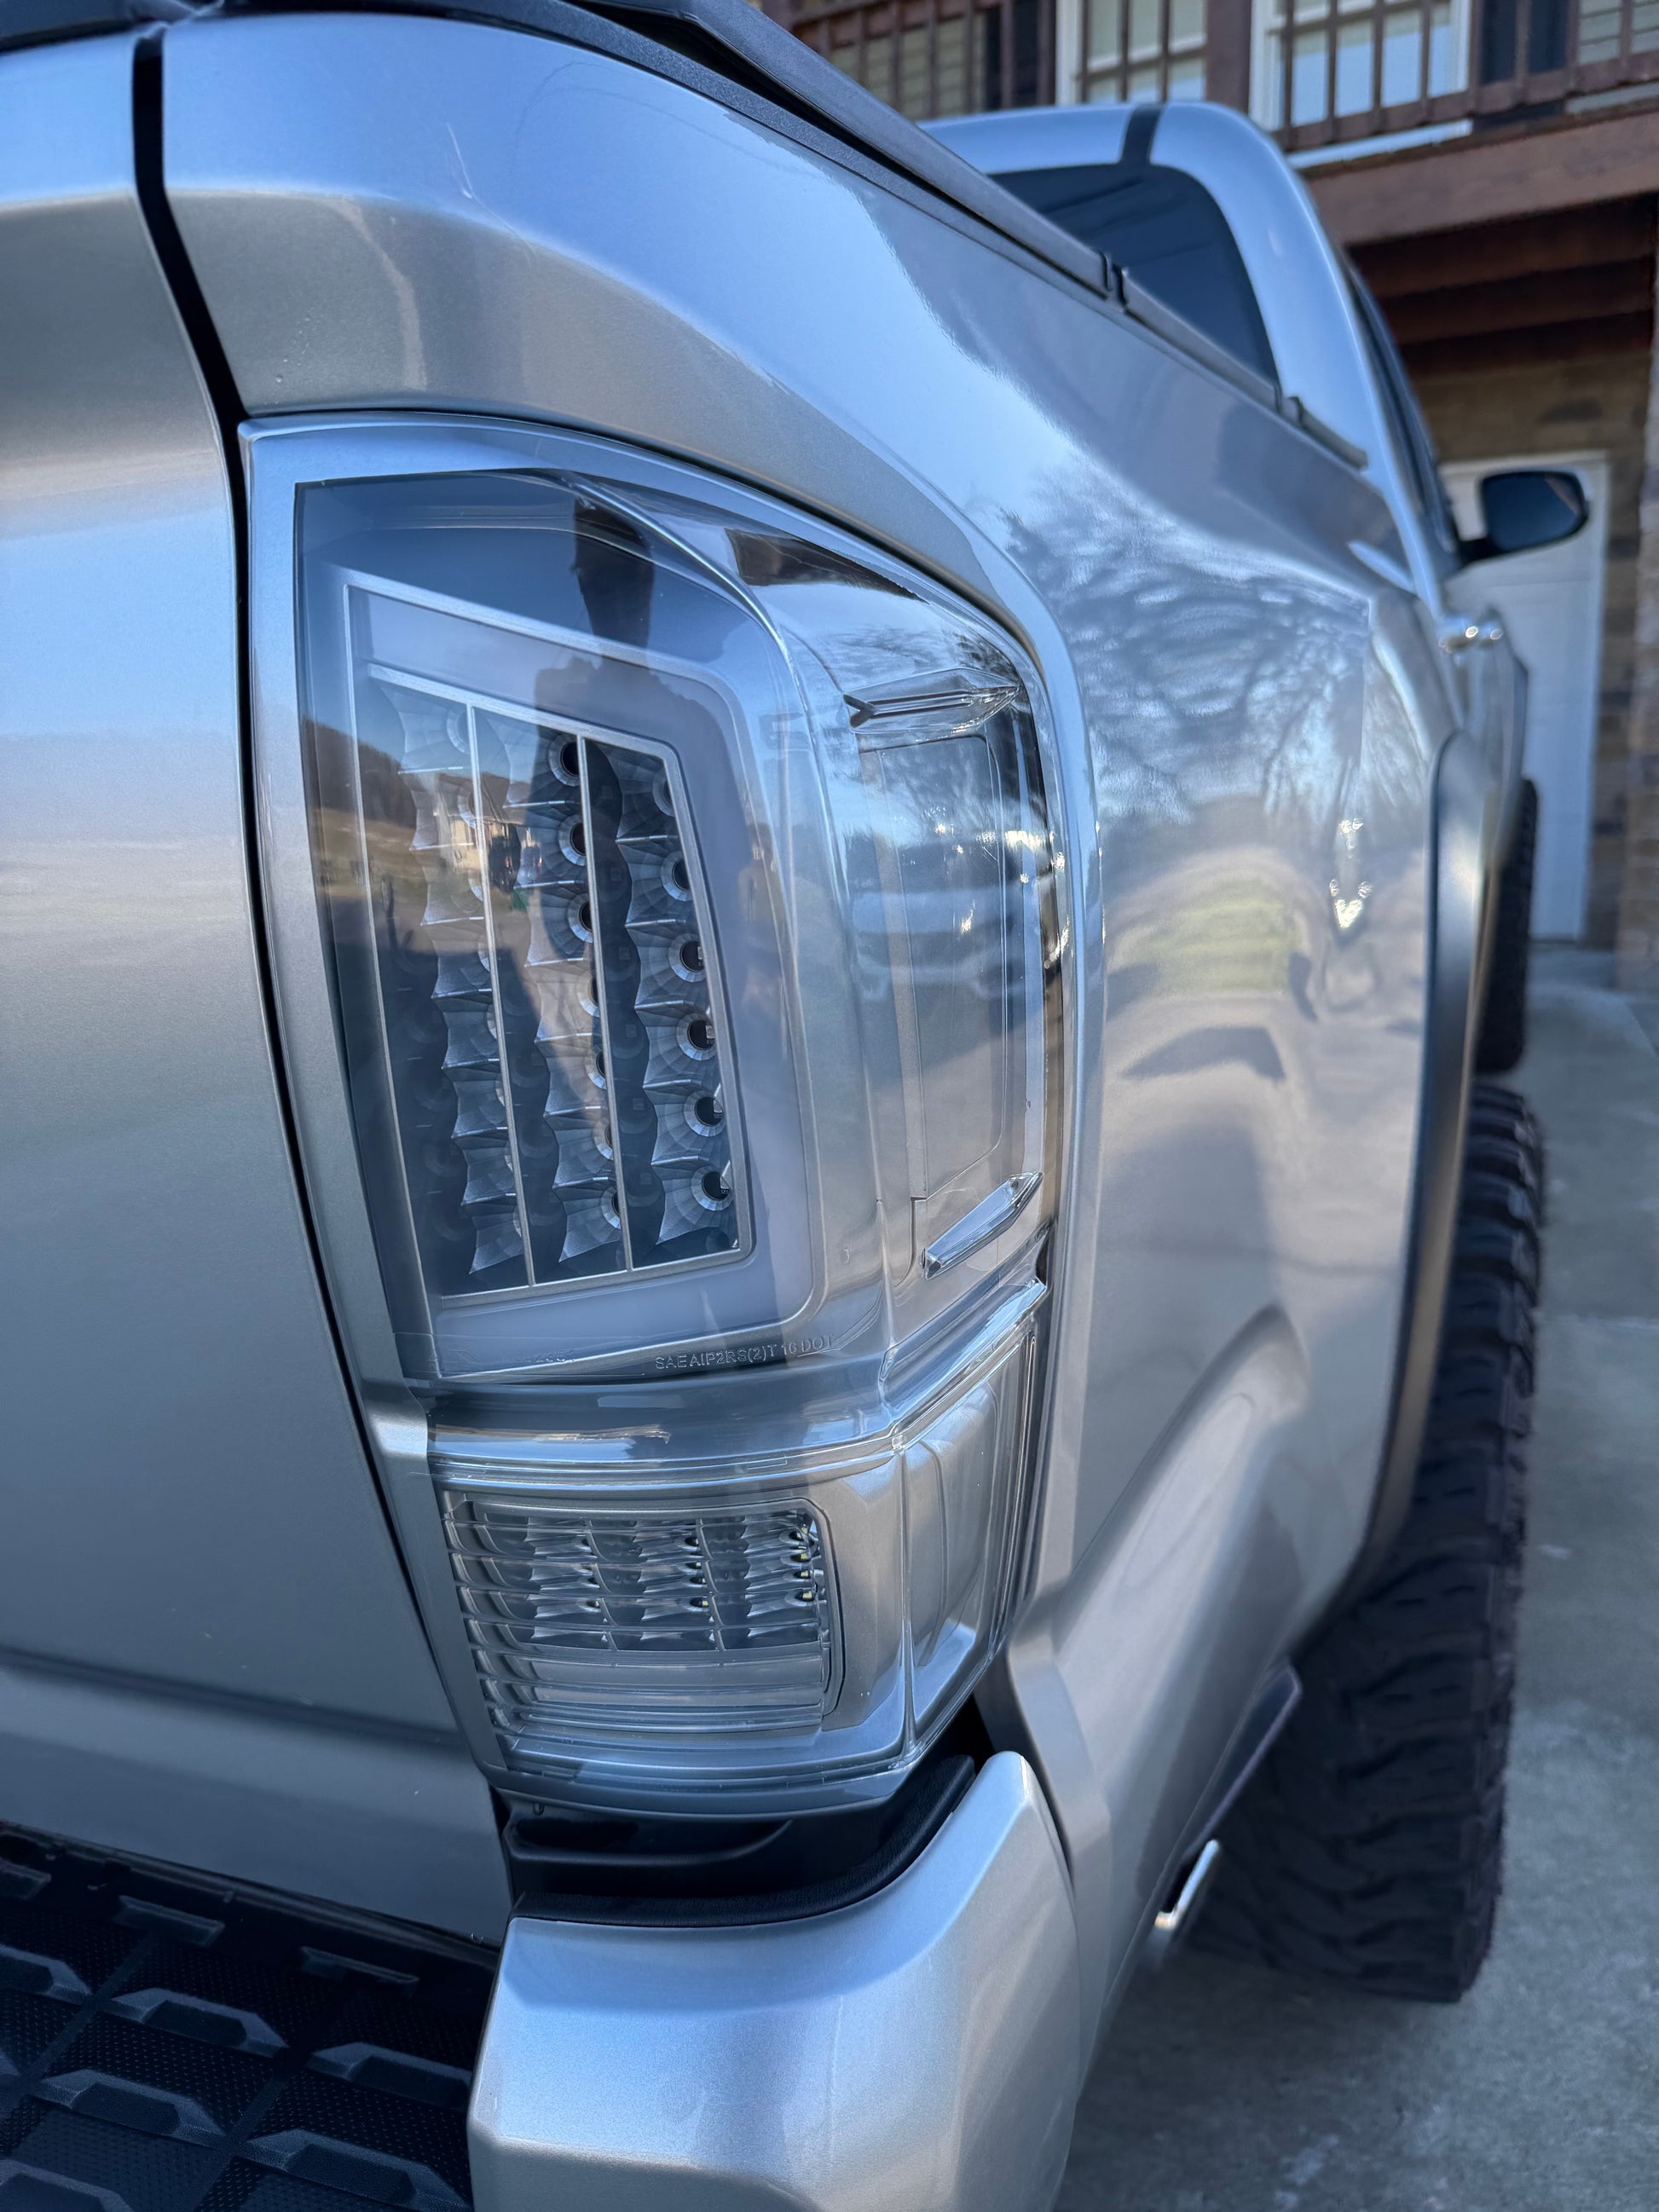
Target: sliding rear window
[1163, 228]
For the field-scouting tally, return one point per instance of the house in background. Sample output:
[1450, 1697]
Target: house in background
[1492, 167]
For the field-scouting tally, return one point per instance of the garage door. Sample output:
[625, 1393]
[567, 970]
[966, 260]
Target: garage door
[1551, 604]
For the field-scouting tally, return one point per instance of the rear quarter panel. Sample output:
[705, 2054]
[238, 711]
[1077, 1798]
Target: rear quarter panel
[1243, 727]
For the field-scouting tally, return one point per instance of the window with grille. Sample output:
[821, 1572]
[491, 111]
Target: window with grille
[938, 57]
[1317, 60]
[1144, 49]
[1601, 36]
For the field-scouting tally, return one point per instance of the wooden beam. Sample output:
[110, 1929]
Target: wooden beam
[1498, 349]
[1490, 176]
[1561, 295]
[1491, 252]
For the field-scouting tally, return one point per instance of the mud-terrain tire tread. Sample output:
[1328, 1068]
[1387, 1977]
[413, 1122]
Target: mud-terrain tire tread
[1369, 1849]
[1504, 1024]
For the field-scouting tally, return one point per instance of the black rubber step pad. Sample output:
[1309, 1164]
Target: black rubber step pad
[166, 2046]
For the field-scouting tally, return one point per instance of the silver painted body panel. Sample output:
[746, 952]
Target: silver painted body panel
[1236, 631]
[208, 1650]
[382, 1821]
[519, 229]
[635, 2070]
[1293, 270]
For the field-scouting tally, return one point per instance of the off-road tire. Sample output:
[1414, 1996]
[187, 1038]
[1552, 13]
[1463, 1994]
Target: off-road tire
[1369, 1848]
[1504, 1024]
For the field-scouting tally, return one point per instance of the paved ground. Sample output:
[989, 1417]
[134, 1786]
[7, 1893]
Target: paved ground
[1226, 2088]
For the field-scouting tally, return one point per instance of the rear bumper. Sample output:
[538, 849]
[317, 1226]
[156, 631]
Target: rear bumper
[919, 2052]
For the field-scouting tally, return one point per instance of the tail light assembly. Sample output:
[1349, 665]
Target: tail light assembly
[663, 902]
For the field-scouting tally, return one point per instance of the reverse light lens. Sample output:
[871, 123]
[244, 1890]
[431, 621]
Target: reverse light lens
[734, 1639]
[702, 1621]
[687, 885]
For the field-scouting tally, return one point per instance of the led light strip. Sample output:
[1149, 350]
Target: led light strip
[602, 999]
[514, 1154]
[624, 887]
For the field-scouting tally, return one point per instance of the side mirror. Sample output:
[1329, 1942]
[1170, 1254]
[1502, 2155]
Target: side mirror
[1525, 508]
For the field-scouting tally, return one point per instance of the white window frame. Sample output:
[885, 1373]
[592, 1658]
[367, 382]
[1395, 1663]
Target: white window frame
[1263, 78]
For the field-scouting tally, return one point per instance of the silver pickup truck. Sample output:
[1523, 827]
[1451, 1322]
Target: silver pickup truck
[757, 873]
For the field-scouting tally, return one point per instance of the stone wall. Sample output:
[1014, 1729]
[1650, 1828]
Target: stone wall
[1599, 404]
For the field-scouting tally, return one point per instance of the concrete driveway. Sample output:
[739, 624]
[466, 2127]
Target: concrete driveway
[1228, 2087]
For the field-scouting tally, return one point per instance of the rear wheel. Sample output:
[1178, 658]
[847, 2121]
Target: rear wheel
[1504, 1025]
[1369, 1849]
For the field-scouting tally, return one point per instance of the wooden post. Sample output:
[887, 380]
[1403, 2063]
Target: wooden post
[1227, 54]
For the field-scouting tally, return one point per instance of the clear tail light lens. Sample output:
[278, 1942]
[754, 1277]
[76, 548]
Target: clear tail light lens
[686, 881]
[576, 1125]
[668, 1621]
[821, 1624]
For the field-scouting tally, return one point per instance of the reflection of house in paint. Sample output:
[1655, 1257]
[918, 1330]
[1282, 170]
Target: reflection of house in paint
[1493, 168]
